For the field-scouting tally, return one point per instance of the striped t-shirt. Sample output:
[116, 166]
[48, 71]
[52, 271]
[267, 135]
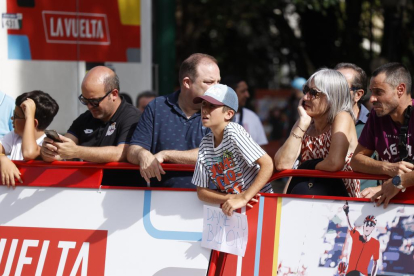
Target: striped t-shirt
[231, 166]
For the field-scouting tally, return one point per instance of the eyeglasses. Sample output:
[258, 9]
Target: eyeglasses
[314, 93]
[17, 117]
[93, 102]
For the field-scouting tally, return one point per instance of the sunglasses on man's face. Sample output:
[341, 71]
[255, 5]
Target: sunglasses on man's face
[93, 102]
[314, 93]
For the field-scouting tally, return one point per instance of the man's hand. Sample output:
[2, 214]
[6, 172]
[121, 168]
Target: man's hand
[387, 192]
[160, 156]
[235, 203]
[29, 108]
[67, 149]
[9, 172]
[370, 191]
[49, 150]
[399, 168]
[149, 166]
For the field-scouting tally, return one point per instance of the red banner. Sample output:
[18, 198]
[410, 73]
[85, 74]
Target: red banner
[92, 31]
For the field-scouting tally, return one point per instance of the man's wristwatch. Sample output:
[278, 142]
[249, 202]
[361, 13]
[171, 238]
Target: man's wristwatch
[396, 181]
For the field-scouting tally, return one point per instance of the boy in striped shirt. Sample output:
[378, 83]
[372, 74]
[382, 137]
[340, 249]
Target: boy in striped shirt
[228, 157]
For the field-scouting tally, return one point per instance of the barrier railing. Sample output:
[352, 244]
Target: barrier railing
[189, 168]
[89, 175]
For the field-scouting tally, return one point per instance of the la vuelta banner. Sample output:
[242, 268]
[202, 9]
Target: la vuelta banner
[92, 31]
[76, 28]
[50, 251]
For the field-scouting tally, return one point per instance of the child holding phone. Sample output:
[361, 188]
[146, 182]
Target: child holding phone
[33, 113]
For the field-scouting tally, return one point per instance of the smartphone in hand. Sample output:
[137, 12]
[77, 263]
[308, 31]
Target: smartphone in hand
[52, 134]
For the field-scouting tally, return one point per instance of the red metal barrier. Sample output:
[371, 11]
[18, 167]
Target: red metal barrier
[187, 168]
[89, 175]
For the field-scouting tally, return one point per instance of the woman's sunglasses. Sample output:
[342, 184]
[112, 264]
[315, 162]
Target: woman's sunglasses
[314, 93]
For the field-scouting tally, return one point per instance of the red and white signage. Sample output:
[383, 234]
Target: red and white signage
[72, 28]
[73, 231]
[52, 251]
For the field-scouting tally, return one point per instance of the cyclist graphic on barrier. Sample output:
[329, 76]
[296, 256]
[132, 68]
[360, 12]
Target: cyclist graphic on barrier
[363, 248]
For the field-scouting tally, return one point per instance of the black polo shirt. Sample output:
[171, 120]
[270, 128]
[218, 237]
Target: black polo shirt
[92, 132]
[118, 130]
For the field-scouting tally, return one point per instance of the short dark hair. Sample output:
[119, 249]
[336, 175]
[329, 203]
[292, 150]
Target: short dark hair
[145, 94]
[360, 80]
[126, 97]
[232, 81]
[189, 66]
[111, 82]
[46, 107]
[395, 73]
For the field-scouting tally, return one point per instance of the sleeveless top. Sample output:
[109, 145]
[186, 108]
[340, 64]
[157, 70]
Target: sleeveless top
[318, 147]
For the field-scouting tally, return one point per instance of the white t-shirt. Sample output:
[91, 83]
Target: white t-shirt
[231, 166]
[253, 125]
[12, 144]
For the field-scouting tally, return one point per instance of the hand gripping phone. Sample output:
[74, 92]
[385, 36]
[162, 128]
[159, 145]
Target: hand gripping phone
[52, 134]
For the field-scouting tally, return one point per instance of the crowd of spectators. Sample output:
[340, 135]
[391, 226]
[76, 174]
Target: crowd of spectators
[333, 131]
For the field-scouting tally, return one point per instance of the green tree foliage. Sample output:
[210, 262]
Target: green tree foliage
[270, 42]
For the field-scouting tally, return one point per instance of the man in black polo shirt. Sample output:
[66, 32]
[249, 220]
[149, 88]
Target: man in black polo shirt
[101, 134]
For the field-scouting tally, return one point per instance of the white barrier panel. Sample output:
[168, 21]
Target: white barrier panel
[317, 237]
[67, 231]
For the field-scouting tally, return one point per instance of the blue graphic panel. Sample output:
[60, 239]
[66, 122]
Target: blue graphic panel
[19, 47]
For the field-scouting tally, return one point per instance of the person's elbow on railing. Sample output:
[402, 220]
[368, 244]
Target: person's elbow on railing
[331, 164]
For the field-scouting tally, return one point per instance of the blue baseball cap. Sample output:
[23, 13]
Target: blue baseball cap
[220, 94]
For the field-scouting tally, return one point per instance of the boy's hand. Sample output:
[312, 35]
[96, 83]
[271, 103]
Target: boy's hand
[9, 172]
[235, 203]
[29, 108]
[253, 200]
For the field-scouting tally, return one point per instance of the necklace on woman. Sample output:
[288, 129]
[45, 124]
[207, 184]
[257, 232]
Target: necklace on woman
[317, 132]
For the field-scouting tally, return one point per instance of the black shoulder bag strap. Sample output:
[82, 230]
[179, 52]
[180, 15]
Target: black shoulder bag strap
[402, 143]
[241, 117]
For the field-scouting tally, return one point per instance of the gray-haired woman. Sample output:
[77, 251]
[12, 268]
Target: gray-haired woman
[325, 128]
